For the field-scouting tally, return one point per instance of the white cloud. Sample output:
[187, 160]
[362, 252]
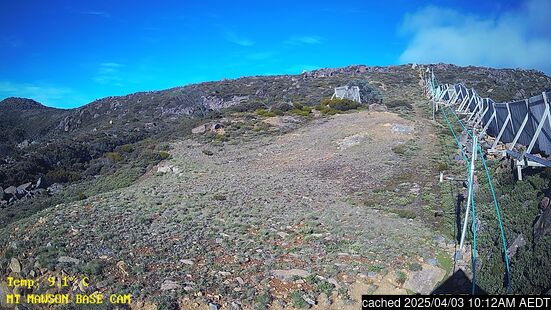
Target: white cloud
[97, 13]
[46, 94]
[234, 38]
[301, 40]
[109, 73]
[511, 39]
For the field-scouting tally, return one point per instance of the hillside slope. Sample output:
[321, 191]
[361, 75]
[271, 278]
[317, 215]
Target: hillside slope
[266, 209]
[271, 217]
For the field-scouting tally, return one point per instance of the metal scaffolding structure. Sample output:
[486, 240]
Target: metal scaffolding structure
[520, 125]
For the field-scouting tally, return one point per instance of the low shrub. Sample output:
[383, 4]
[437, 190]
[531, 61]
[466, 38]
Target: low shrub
[265, 113]
[114, 156]
[340, 104]
[300, 112]
[61, 175]
[164, 154]
[405, 213]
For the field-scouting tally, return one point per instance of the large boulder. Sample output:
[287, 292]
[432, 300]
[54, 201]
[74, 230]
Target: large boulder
[517, 244]
[10, 192]
[26, 187]
[42, 183]
[544, 203]
[199, 129]
[55, 188]
[542, 225]
[22, 190]
[377, 107]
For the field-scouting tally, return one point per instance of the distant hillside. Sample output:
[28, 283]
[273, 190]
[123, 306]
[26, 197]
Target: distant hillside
[24, 119]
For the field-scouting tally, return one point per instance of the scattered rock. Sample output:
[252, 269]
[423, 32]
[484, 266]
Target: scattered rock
[187, 262]
[288, 274]
[439, 239]
[15, 266]
[55, 188]
[164, 169]
[23, 144]
[235, 306]
[168, 285]
[518, 243]
[213, 306]
[199, 129]
[425, 280]
[283, 234]
[309, 300]
[20, 193]
[542, 225]
[377, 107]
[439, 213]
[10, 192]
[4, 289]
[400, 128]
[207, 152]
[123, 267]
[432, 261]
[217, 128]
[41, 183]
[334, 282]
[544, 203]
[323, 300]
[25, 187]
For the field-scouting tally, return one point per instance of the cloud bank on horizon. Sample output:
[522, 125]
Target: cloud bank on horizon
[520, 38]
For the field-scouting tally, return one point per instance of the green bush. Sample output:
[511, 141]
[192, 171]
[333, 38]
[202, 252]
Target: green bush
[300, 112]
[127, 148]
[298, 301]
[61, 175]
[401, 277]
[340, 104]
[93, 268]
[265, 113]
[114, 156]
[164, 154]
[81, 196]
[396, 104]
[219, 197]
[405, 213]
[298, 105]
[399, 149]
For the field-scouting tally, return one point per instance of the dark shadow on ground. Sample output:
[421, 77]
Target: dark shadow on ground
[458, 283]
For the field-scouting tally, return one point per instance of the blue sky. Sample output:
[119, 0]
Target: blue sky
[68, 53]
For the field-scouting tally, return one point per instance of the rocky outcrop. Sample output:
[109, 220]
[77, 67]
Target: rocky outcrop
[26, 191]
[216, 103]
[517, 244]
[543, 222]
